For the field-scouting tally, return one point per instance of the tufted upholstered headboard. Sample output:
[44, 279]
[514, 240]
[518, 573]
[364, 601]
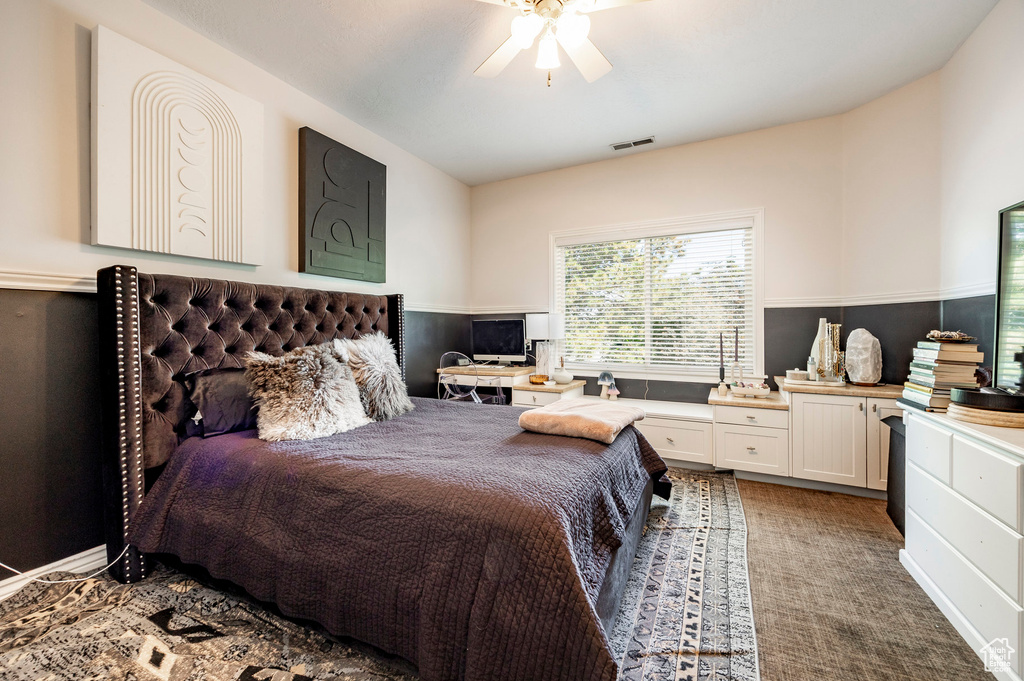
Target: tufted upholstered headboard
[157, 328]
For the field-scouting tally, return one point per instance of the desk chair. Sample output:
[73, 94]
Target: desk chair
[462, 386]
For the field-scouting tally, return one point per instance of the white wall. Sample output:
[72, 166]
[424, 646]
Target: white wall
[982, 148]
[44, 163]
[891, 205]
[794, 172]
[860, 208]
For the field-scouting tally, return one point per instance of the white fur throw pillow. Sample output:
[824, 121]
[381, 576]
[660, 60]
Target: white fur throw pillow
[381, 388]
[304, 394]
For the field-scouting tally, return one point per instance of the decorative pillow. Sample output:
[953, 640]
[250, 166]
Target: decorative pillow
[222, 401]
[304, 394]
[381, 388]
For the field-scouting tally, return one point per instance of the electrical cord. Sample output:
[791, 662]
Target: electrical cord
[65, 581]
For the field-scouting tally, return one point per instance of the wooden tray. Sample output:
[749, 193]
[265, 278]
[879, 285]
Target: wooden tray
[985, 417]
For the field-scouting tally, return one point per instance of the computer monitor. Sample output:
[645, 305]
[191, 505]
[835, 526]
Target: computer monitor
[502, 340]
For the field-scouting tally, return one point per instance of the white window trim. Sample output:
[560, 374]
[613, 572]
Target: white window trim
[753, 218]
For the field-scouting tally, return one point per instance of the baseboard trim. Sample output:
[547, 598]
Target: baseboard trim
[438, 309]
[86, 561]
[73, 283]
[810, 484]
[509, 309]
[969, 291]
[802, 302]
[952, 613]
[47, 281]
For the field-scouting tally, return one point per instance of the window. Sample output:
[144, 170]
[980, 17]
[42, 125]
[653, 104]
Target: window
[650, 300]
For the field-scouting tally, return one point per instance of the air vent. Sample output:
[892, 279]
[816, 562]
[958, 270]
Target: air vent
[635, 143]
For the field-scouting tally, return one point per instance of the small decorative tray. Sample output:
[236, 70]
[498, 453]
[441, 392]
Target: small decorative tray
[751, 392]
[949, 336]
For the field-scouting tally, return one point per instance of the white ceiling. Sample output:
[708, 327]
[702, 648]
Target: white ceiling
[685, 70]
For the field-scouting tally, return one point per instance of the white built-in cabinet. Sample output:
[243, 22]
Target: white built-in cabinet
[840, 439]
[878, 440]
[752, 439]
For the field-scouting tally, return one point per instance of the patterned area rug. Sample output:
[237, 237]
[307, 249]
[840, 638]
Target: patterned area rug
[685, 616]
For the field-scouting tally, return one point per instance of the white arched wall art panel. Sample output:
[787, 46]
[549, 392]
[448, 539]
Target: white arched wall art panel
[177, 158]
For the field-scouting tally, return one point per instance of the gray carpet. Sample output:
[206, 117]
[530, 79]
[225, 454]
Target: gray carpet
[686, 615]
[831, 599]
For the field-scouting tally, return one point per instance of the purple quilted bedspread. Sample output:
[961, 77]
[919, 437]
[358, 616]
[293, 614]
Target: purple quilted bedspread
[448, 536]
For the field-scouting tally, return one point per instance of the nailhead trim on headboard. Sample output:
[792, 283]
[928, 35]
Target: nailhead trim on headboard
[119, 294]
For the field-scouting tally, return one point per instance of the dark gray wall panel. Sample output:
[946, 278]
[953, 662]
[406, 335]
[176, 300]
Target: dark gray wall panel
[50, 488]
[51, 503]
[975, 316]
[898, 327]
[428, 335]
[638, 388]
[788, 334]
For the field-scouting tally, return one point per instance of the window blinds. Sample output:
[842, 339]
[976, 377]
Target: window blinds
[1011, 300]
[658, 301]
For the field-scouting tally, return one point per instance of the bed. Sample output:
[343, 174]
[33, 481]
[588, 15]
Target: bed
[447, 536]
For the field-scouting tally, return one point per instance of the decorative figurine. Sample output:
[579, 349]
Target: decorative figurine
[605, 380]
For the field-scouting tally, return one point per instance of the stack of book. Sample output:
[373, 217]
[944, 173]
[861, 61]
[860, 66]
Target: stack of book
[939, 367]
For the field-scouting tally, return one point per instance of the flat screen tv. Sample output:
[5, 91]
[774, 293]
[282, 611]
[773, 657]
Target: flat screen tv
[1010, 298]
[501, 340]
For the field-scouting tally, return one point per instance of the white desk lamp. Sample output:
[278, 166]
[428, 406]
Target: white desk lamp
[543, 327]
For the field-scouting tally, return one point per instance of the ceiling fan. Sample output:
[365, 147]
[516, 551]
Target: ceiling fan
[557, 22]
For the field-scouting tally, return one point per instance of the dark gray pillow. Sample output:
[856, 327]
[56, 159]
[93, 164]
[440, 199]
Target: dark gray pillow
[222, 401]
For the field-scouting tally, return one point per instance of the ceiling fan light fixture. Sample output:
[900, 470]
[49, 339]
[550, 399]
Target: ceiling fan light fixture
[547, 52]
[573, 29]
[525, 29]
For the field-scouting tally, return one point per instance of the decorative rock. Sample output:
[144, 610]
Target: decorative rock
[863, 357]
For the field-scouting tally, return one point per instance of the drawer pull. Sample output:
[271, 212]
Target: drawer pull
[670, 440]
[860, 406]
[752, 449]
[751, 418]
[534, 398]
[874, 407]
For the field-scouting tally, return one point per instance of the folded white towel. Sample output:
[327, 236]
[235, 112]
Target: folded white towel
[579, 417]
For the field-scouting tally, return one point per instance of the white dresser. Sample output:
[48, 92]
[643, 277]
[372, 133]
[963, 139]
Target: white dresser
[965, 518]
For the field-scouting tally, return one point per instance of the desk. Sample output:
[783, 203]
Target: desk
[491, 377]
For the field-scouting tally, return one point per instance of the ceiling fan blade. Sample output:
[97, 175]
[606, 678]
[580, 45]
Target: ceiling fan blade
[599, 5]
[588, 59]
[498, 60]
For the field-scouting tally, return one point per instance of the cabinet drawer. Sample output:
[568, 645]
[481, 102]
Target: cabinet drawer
[525, 398]
[989, 479]
[752, 416]
[679, 440]
[929, 447]
[989, 545]
[749, 448]
[988, 610]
